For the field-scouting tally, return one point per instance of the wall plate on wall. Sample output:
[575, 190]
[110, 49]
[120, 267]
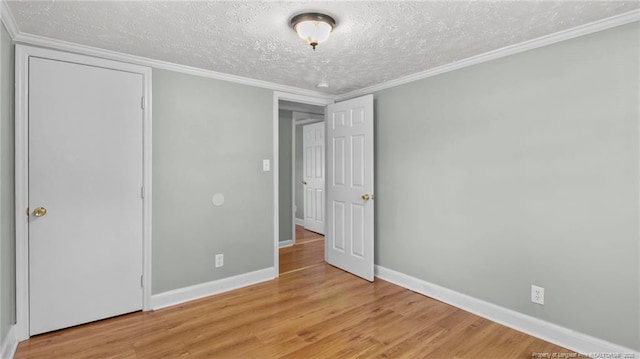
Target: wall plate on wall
[217, 199]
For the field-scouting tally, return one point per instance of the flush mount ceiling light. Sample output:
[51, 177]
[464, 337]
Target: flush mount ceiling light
[313, 27]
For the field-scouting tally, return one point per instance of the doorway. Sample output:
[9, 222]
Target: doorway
[288, 187]
[349, 182]
[301, 234]
[294, 118]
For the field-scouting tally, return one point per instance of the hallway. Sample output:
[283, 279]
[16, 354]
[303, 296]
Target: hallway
[307, 252]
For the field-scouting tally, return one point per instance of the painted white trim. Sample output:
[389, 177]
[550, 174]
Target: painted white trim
[293, 97]
[21, 189]
[581, 30]
[22, 171]
[198, 291]
[299, 221]
[303, 118]
[306, 121]
[297, 109]
[1, 338]
[276, 184]
[287, 243]
[564, 337]
[147, 172]
[294, 207]
[9, 344]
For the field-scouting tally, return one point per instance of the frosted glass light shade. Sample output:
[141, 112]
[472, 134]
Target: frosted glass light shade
[313, 28]
[314, 31]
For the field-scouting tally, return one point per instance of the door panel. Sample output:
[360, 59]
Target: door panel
[85, 168]
[350, 186]
[357, 161]
[357, 218]
[338, 162]
[337, 233]
[313, 144]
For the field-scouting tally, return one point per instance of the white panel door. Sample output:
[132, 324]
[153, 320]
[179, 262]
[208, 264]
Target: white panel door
[85, 169]
[349, 237]
[313, 176]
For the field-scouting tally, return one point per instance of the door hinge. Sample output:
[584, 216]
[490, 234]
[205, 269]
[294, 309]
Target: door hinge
[142, 102]
[142, 192]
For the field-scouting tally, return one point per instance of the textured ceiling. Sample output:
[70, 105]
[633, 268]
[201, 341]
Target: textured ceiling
[373, 42]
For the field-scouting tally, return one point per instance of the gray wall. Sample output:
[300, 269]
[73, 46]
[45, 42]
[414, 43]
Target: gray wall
[7, 210]
[299, 173]
[520, 171]
[285, 175]
[209, 136]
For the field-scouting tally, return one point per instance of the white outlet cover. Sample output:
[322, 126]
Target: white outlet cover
[266, 165]
[217, 199]
[537, 294]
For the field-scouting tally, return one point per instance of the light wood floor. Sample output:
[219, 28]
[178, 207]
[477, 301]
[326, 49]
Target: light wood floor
[312, 311]
[308, 251]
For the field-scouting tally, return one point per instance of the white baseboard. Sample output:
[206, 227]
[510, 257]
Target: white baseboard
[564, 337]
[287, 243]
[9, 344]
[299, 221]
[198, 291]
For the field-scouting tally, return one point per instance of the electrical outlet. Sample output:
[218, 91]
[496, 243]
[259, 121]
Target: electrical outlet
[537, 294]
[219, 260]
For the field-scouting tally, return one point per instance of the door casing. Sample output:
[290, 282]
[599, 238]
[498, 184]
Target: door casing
[22, 170]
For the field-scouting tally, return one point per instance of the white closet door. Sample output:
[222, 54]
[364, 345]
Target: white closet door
[85, 170]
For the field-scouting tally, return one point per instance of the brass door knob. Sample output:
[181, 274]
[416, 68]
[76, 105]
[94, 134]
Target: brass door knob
[40, 211]
[366, 197]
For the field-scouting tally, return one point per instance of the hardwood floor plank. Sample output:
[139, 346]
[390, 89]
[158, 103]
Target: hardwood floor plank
[303, 235]
[315, 311]
[301, 255]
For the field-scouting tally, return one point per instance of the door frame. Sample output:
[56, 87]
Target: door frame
[277, 96]
[22, 54]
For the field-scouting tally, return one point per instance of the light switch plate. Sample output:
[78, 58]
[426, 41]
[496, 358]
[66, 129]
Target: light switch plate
[266, 165]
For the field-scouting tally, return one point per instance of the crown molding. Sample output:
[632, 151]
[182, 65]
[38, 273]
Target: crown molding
[604, 24]
[7, 19]
[158, 64]
[41, 41]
